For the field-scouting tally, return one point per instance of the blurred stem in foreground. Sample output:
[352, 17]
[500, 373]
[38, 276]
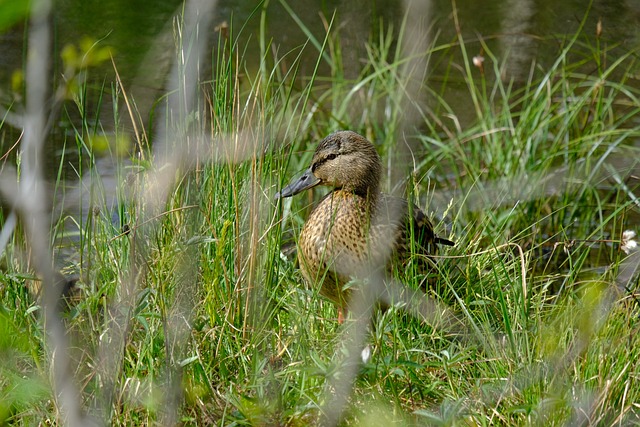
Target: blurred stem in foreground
[29, 198]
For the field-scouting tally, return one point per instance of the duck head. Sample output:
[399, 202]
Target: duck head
[343, 160]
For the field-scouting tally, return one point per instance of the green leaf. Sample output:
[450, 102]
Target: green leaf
[12, 12]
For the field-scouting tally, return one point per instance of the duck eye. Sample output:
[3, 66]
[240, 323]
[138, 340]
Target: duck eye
[331, 156]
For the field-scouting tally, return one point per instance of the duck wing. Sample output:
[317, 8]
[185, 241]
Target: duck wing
[401, 223]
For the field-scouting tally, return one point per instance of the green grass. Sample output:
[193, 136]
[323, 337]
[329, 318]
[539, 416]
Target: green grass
[536, 190]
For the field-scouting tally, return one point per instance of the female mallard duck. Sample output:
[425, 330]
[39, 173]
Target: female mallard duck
[355, 227]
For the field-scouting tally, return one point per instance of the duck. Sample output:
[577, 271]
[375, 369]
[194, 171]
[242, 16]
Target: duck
[355, 227]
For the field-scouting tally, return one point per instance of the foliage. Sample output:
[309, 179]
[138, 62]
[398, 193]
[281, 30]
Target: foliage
[536, 190]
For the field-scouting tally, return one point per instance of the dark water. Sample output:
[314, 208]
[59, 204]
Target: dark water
[141, 32]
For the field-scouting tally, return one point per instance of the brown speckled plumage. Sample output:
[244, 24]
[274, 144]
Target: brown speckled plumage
[355, 227]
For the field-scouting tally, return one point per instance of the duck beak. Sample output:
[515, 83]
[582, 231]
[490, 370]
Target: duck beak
[306, 181]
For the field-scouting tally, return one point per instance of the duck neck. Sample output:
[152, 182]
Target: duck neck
[369, 193]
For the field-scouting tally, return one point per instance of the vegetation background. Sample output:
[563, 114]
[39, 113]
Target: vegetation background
[142, 276]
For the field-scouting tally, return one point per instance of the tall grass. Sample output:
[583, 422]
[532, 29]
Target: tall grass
[218, 326]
